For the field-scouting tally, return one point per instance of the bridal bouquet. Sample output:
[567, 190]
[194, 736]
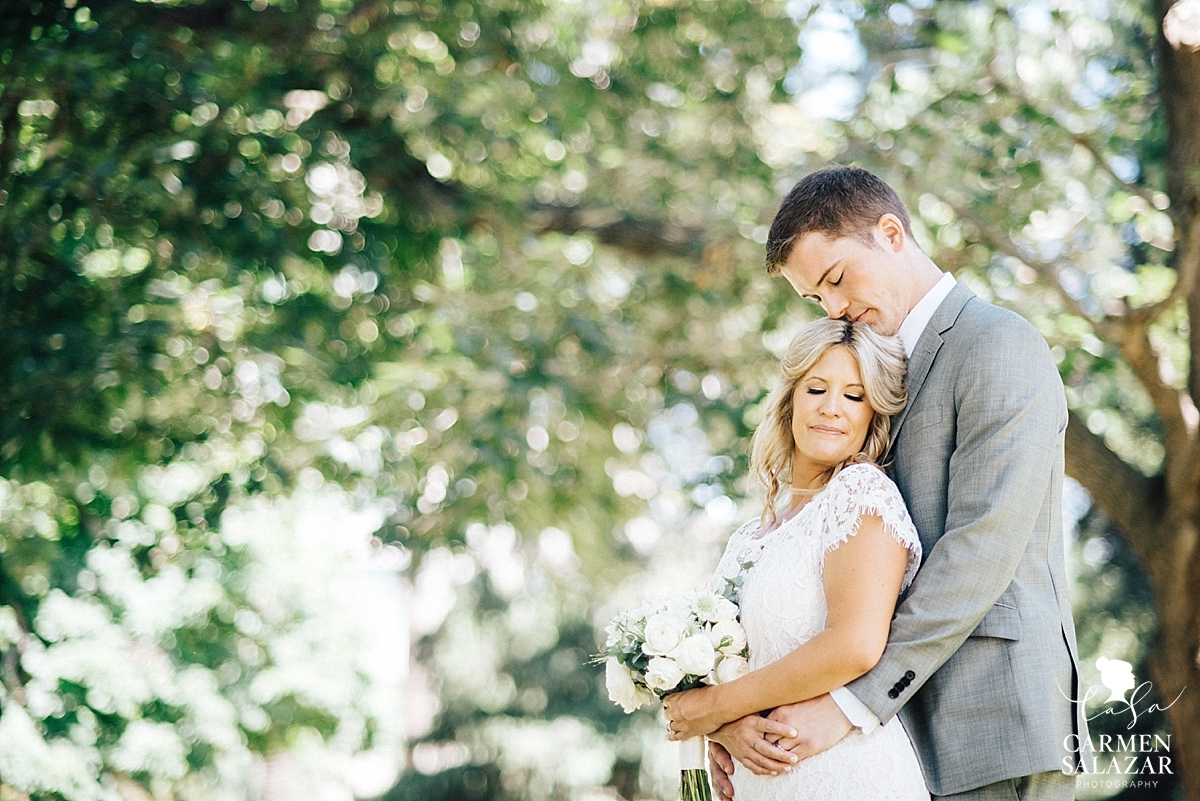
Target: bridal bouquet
[678, 643]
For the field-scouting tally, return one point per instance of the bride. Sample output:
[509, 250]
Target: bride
[818, 576]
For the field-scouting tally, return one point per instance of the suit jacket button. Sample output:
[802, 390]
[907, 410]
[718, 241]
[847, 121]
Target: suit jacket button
[893, 694]
[910, 675]
[905, 681]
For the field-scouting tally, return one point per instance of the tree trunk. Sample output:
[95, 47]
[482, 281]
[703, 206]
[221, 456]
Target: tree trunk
[1176, 651]
[1173, 660]
[1160, 517]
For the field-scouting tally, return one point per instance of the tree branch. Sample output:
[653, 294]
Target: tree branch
[612, 227]
[1133, 502]
[1130, 334]
[1133, 340]
[1085, 142]
[1002, 243]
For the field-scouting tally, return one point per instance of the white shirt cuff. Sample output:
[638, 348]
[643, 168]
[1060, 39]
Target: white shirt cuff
[855, 710]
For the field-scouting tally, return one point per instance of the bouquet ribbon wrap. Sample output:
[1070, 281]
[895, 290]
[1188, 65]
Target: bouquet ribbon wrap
[693, 775]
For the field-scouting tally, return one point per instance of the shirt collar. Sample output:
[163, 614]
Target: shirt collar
[914, 324]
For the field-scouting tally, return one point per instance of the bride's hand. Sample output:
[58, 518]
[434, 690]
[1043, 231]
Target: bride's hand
[692, 713]
[745, 741]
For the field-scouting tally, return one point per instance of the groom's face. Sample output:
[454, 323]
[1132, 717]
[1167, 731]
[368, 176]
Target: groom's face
[851, 279]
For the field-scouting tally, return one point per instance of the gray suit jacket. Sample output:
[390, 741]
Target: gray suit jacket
[981, 661]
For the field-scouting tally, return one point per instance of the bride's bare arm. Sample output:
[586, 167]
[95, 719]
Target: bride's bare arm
[862, 579]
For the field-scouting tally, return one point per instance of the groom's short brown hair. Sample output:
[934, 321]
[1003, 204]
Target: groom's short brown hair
[837, 201]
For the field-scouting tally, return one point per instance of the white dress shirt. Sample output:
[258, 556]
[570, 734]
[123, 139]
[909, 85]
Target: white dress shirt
[914, 324]
[910, 331]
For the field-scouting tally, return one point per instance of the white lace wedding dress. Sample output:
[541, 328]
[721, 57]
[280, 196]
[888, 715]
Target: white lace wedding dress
[782, 602]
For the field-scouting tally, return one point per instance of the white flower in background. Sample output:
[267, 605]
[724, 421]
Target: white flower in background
[730, 668]
[664, 632]
[695, 655]
[728, 637]
[621, 688]
[663, 674]
[61, 766]
[150, 747]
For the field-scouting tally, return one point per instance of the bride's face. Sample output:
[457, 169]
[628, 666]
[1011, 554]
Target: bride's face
[830, 415]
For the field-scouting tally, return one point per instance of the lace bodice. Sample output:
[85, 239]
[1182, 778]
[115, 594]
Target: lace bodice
[782, 600]
[782, 596]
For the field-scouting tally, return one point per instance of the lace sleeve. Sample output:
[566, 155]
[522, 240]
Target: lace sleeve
[864, 489]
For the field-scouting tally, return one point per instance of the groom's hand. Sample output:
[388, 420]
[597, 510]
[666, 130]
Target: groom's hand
[819, 722]
[720, 768]
[746, 740]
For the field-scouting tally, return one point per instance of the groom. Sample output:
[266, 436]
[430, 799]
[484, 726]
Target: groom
[981, 659]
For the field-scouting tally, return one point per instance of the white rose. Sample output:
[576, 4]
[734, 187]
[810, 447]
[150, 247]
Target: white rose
[695, 655]
[730, 668]
[726, 610]
[663, 633]
[729, 630]
[621, 688]
[663, 674]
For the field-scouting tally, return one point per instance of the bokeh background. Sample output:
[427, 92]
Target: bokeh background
[359, 358]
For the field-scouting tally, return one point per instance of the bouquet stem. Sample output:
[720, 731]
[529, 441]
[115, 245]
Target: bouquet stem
[693, 778]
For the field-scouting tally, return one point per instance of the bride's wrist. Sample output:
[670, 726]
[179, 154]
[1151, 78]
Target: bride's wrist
[728, 702]
[722, 705]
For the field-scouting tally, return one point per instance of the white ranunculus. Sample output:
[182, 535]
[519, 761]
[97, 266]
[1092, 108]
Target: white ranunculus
[729, 632]
[621, 688]
[663, 673]
[663, 633]
[730, 668]
[695, 655]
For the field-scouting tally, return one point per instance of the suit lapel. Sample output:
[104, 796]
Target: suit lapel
[927, 349]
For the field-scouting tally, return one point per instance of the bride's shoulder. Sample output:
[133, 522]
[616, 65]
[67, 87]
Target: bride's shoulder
[746, 531]
[864, 477]
[863, 471]
[749, 527]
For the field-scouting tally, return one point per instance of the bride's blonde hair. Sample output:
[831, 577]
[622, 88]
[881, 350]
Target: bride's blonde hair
[882, 363]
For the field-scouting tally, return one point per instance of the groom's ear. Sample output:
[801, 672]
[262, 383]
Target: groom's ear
[891, 230]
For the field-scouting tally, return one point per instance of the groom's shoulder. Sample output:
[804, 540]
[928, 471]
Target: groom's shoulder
[988, 326]
[987, 340]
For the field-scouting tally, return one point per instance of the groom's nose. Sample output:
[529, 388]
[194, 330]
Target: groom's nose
[835, 306]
